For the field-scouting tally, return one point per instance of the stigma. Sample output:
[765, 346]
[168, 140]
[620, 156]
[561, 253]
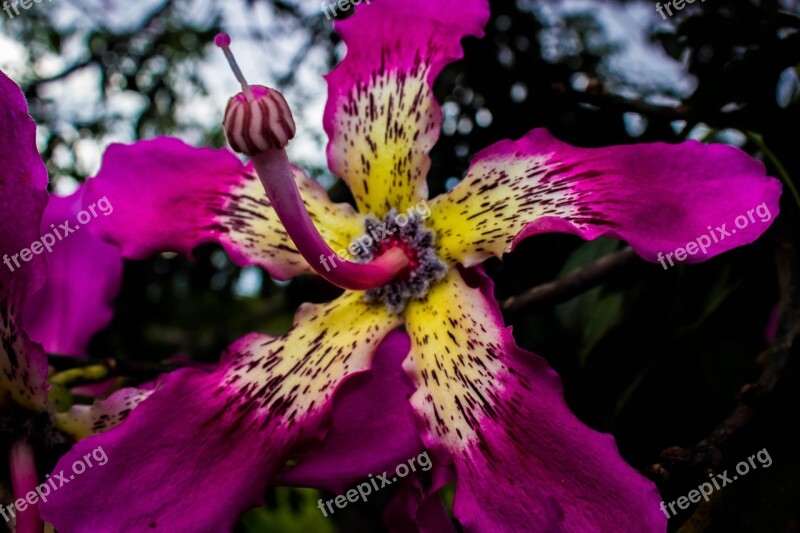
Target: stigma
[417, 242]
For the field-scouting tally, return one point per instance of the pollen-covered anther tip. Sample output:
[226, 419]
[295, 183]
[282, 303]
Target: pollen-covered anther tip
[260, 123]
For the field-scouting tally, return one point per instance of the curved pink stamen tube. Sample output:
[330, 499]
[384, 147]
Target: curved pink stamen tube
[273, 170]
[24, 479]
[276, 128]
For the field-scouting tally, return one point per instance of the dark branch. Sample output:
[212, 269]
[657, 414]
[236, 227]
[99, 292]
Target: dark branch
[31, 89]
[574, 283]
[596, 95]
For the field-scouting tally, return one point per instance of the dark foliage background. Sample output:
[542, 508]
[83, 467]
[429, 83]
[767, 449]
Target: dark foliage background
[678, 365]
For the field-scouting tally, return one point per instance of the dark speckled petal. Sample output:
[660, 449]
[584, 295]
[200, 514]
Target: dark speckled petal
[381, 117]
[84, 420]
[372, 429]
[523, 461]
[200, 450]
[657, 197]
[169, 196]
[23, 196]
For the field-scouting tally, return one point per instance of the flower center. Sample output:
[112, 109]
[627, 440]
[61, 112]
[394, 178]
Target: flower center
[408, 233]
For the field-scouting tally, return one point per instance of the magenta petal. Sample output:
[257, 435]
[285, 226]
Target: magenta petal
[523, 461]
[381, 117]
[23, 184]
[201, 449]
[164, 193]
[169, 468]
[417, 508]
[657, 197]
[84, 275]
[539, 467]
[773, 321]
[95, 390]
[574, 476]
[80, 421]
[372, 428]
[23, 196]
[169, 196]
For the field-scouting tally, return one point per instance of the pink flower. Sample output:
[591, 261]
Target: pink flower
[200, 451]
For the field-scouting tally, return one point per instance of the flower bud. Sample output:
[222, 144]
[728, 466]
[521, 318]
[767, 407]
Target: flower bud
[258, 121]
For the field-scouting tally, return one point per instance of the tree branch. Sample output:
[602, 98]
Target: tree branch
[31, 89]
[572, 284]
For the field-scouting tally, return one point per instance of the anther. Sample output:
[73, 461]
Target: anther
[258, 119]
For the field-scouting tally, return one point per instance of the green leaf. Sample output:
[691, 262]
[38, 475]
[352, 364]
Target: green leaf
[606, 314]
[574, 313]
[296, 512]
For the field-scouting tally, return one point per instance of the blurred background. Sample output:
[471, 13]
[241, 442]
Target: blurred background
[691, 368]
